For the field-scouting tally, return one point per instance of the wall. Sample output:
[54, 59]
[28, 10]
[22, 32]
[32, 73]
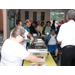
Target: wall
[47, 14]
[1, 19]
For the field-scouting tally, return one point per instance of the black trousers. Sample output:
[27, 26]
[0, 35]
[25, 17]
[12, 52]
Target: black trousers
[68, 57]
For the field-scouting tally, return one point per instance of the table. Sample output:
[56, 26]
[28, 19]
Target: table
[49, 61]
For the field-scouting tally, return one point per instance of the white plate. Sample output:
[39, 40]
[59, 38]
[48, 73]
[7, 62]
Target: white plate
[35, 63]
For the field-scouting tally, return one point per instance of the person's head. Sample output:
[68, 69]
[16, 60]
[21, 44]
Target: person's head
[53, 32]
[33, 24]
[18, 33]
[28, 23]
[42, 23]
[59, 24]
[70, 15]
[53, 21]
[62, 22]
[18, 23]
[48, 23]
[39, 23]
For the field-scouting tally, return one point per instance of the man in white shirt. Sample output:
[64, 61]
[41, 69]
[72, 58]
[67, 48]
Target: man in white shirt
[19, 23]
[66, 37]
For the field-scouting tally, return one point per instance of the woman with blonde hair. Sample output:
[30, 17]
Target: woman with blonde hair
[27, 25]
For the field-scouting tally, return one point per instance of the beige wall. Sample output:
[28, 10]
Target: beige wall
[47, 14]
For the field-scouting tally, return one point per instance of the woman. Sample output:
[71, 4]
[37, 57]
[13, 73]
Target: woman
[27, 25]
[41, 28]
[46, 29]
[12, 52]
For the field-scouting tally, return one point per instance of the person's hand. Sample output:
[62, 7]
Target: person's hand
[43, 60]
[56, 44]
[32, 38]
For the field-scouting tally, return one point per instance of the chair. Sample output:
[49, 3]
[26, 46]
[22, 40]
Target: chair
[53, 54]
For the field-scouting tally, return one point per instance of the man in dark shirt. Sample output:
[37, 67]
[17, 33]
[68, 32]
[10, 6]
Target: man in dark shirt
[32, 28]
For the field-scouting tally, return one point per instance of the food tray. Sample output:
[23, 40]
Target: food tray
[35, 63]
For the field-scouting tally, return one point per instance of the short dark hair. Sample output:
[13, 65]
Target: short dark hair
[42, 22]
[71, 14]
[17, 22]
[48, 22]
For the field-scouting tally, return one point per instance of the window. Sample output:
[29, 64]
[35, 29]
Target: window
[26, 15]
[34, 15]
[57, 15]
[42, 15]
[12, 18]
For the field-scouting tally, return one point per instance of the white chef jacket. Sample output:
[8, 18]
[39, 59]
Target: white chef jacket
[66, 34]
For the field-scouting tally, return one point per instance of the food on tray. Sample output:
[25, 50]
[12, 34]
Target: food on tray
[37, 64]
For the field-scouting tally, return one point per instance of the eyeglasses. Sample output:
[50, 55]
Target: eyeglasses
[23, 36]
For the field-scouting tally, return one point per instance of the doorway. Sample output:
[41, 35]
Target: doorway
[57, 14]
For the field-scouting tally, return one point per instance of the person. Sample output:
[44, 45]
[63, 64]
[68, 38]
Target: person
[66, 37]
[52, 42]
[41, 28]
[32, 28]
[62, 22]
[27, 25]
[53, 25]
[12, 52]
[19, 23]
[58, 27]
[46, 29]
[37, 28]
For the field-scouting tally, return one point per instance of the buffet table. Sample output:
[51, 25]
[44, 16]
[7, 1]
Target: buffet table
[49, 61]
[39, 49]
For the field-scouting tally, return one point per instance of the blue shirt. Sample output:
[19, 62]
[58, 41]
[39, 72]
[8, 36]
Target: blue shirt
[25, 27]
[58, 29]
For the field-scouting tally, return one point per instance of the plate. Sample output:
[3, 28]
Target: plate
[37, 64]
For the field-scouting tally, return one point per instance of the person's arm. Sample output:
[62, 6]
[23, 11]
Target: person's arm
[43, 32]
[33, 58]
[30, 35]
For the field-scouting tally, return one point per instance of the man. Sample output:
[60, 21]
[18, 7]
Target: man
[32, 28]
[19, 23]
[52, 42]
[66, 37]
